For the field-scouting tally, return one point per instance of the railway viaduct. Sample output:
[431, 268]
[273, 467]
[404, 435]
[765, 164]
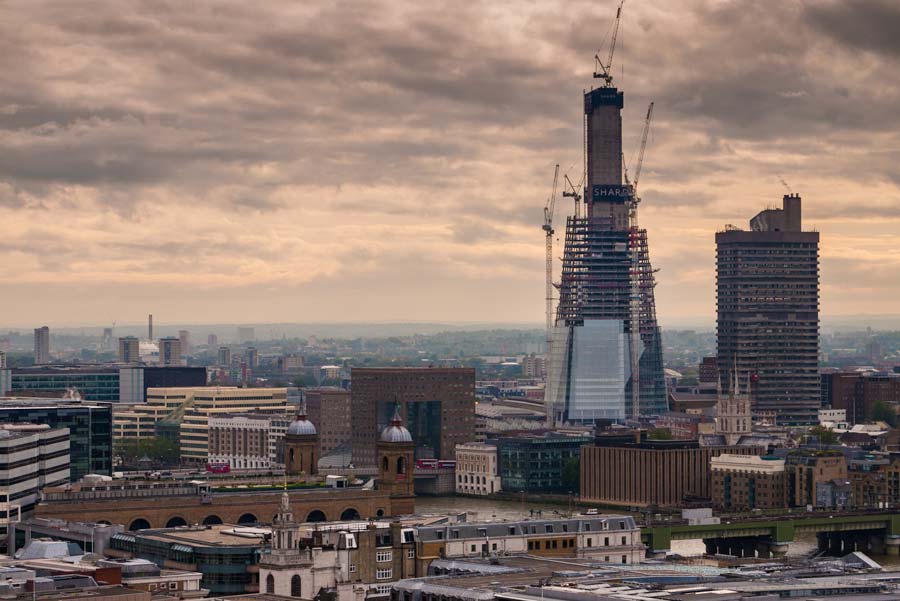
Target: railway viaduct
[141, 505]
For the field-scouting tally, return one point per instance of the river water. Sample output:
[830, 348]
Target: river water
[488, 509]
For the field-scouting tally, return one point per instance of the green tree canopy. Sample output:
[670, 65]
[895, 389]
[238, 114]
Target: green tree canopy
[825, 436]
[659, 434]
[571, 474]
[882, 412]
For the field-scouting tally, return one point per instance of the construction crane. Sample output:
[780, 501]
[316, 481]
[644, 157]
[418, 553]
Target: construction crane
[635, 244]
[548, 232]
[640, 159]
[604, 70]
[571, 191]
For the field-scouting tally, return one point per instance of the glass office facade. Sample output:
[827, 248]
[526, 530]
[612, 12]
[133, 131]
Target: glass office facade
[535, 464]
[94, 384]
[90, 431]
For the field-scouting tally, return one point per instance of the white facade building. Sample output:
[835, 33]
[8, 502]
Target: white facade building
[32, 456]
[476, 469]
[248, 442]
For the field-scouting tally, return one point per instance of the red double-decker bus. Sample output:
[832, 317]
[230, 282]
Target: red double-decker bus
[218, 468]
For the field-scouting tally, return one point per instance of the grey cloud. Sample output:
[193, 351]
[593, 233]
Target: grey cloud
[865, 24]
[442, 113]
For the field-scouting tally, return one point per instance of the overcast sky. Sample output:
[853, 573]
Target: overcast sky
[300, 161]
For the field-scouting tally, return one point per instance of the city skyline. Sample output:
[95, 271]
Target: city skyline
[277, 163]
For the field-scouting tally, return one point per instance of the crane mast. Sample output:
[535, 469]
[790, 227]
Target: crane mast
[635, 243]
[605, 69]
[548, 231]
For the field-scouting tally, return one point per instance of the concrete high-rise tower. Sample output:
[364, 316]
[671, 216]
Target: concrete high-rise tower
[185, 337]
[129, 349]
[590, 373]
[41, 345]
[170, 351]
[767, 292]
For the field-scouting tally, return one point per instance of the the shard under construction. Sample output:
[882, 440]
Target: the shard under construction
[606, 316]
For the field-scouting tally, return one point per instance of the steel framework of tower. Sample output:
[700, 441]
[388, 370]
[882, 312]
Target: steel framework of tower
[606, 299]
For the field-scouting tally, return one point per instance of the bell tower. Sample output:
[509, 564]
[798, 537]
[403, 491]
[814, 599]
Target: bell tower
[395, 451]
[301, 447]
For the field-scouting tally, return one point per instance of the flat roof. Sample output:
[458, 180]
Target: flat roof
[218, 535]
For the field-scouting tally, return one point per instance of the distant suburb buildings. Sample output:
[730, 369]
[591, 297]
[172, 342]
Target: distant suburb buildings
[768, 312]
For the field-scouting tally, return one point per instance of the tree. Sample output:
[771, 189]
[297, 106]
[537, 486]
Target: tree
[159, 449]
[571, 474]
[882, 412]
[659, 434]
[825, 436]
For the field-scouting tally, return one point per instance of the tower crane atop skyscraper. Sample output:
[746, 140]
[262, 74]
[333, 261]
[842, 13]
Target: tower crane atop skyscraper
[640, 159]
[571, 191]
[638, 273]
[604, 70]
[548, 231]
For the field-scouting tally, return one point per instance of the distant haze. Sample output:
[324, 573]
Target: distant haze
[388, 161]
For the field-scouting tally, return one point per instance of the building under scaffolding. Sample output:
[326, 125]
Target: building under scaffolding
[605, 292]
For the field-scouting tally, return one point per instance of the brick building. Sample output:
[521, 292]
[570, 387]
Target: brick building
[745, 482]
[329, 409]
[808, 468]
[437, 406]
[630, 470]
[858, 393]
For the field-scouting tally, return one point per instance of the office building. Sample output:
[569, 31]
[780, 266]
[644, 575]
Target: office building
[747, 482]
[289, 364]
[107, 383]
[631, 470]
[41, 345]
[708, 371]
[251, 357]
[212, 342]
[170, 351]
[808, 469]
[224, 359]
[32, 456]
[605, 330]
[129, 349]
[249, 441]
[329, 372]
[607, 538]
[476, 469]
[538, 463]
[858, 393]
[106, 339]
[768, 312]
[533, 366]
[2, 360]
[329, 408]
[184, 413]
[89, 426]
[184, 337]
[229, 564]
[437, 406]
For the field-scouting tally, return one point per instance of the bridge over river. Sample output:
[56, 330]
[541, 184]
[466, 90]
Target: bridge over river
[770, 536]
